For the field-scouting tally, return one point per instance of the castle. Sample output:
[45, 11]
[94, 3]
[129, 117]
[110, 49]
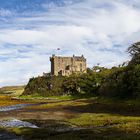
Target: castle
[65, 66]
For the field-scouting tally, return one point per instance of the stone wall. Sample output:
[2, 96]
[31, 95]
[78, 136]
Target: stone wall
[65, 66]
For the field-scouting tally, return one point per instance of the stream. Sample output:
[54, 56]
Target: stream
[17, 106]
[14, 122]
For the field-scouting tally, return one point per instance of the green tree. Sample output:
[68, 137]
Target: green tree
[134, 51]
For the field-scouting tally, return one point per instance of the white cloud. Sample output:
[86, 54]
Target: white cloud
[5, 12]
[101, 30]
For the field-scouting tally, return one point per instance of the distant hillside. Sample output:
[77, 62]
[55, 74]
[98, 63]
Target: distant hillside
[13, 90]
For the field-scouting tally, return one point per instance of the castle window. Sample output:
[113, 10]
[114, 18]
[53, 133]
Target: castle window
[68, 67]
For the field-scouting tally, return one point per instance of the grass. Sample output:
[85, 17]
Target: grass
[64, 97]
[127, 129]
[12, 90]
[6, 101]
[101, 118]
[96, 118]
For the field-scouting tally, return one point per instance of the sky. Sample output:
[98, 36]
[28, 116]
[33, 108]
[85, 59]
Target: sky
[32, 30]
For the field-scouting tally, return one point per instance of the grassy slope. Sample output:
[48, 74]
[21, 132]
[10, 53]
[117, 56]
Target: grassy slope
[13, 90]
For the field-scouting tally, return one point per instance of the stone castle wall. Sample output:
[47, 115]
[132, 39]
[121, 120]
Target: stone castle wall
[65, 66]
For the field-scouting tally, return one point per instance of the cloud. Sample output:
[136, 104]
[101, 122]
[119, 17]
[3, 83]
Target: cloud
[5, 12]
[100, 30]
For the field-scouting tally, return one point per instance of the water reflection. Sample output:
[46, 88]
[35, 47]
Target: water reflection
[12, 107]
[17, 106]
[16, 123]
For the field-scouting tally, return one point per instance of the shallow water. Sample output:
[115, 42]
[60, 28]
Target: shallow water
[16, 123]
[13, 107]
[17, 106]
[9, 136]
[13, 123]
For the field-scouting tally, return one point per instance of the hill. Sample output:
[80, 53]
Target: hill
[119, 82]
[12, 90]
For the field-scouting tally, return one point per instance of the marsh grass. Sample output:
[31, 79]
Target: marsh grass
[120, 131]
[6, 101]
[101, 118]
[97, 119]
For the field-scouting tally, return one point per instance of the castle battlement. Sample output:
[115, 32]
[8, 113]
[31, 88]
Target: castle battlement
[65, 66]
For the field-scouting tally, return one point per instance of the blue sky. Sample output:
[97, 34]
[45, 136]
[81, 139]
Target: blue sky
[32, 30]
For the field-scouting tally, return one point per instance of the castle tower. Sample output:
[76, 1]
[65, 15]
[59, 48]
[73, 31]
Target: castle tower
[65, 66]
